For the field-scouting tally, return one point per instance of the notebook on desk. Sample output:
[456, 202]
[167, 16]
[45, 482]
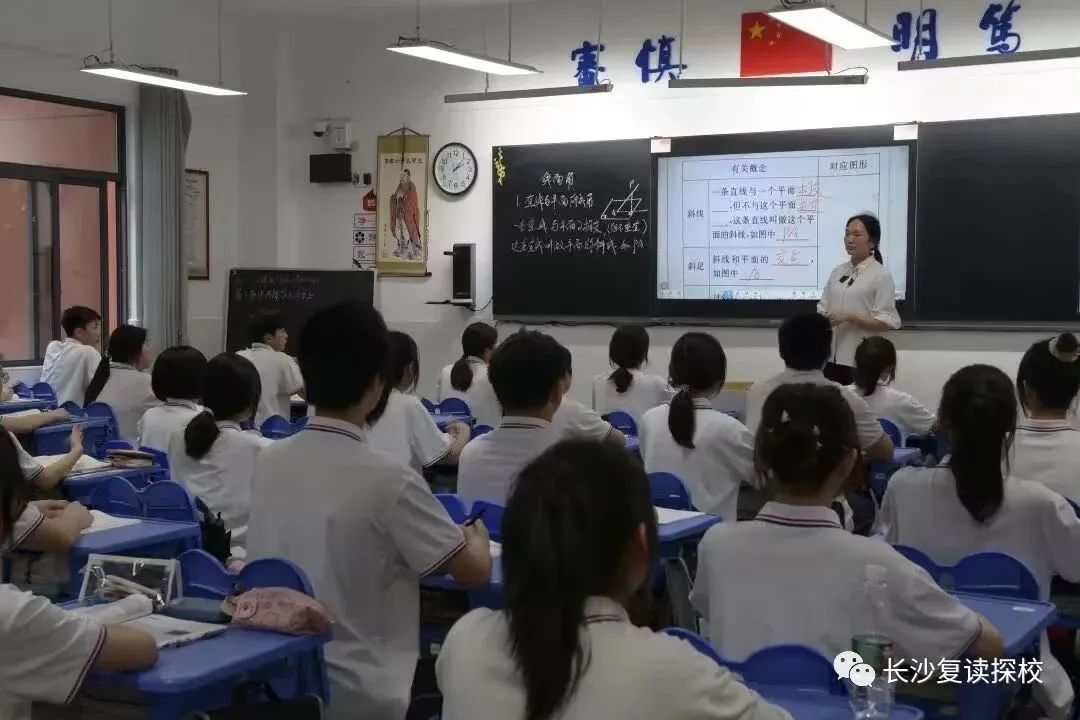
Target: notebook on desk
[104, 521]
[137, 611]
[665, 515]
[85, 464]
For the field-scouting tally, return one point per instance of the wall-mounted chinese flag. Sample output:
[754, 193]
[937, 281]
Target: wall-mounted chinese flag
[769, 47]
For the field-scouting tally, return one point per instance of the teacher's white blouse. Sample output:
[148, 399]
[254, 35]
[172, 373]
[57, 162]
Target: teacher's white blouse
[872, 292]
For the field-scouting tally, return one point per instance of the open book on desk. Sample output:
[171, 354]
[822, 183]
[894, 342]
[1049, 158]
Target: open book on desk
[85, 464]
[137, 611]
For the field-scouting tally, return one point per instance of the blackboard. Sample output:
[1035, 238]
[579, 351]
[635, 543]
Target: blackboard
[296, 294]
[571, 231]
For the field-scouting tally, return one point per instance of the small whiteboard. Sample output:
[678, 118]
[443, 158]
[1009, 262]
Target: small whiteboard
[196, 224]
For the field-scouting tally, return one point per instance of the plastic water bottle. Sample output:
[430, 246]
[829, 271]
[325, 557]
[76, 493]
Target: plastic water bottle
[875, 648]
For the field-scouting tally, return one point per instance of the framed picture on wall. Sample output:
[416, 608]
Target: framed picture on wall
[401, 196]
[195, 224]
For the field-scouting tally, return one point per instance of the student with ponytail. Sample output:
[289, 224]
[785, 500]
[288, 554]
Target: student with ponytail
[121, 381]
[467, 377]
[627, 388]
[214, 457]
[875, 370]
[573, 419]
[971, 503]
[579, 546]
[712, 453]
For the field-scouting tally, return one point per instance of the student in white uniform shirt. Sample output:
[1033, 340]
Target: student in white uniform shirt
[859, 298]
[277, 369]
[1047, 445]
[574, 420]
[527, 372]
[875, 370]
[400, 425]
[70, 364]
[628, 388]
[214, 457]
[579, 545]
[969, 504]
[477, 344]
[364, 527]
[121, 380]
[177, 381]
[712, 453]
[748, 572]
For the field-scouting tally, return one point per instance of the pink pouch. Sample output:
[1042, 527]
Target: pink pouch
[280, 609]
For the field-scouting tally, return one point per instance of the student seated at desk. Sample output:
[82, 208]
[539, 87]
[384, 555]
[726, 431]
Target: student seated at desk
[1047, 445]
[177, 381]
[968, 504]
[278, 371]
[875, 370]
[477, 345]
[527, 372]
[574, 420]
[712, 453]
[214, 457]
[7, 393]
[364, 527]
[579, 546]
[792, 575]
[121, 381]
[403, 427]
[70, 364]
[628, 388]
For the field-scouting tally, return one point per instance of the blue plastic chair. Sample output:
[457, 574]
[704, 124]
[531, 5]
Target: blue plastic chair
[493, 517]
[454, 406]
[454, 506]
[73, 408]
[102, 410]
[22, 390]
[668, 491]
[168, 500]
[202, 576]
[276, 427]
[921, 559]
[115, 445]
[995, 573]
[892, 431]
[116, 496]
[428, 405]
[160, 457]
[43, 391]
[478, 430]
[623, 422]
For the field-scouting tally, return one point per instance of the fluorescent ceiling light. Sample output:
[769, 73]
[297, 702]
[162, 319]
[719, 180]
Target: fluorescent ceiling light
[450, 55]
[531, 93]
[136, 74]
[768, 81]
[972, 60]
[824, 22]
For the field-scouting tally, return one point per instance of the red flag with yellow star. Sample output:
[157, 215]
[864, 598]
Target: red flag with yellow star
[769, 47]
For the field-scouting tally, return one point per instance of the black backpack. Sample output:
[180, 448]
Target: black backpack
[216, 540]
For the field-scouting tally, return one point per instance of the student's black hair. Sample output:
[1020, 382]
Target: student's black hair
[178, 374]
[805, 432]
[698, 363]
[978, 413]
[572, 518]
[873, 232]
[401, 354]
[477, 339]
[342, 351]
[525, 369]
[806, 341]
[567, 360]
[14, 488]
[76, 317]
[125, 345]
[263, 324]
[628, 350]
[1050, 371]
[232, 386]
[875, 358]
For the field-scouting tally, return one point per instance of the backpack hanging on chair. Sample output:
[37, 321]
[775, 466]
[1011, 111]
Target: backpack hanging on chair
[216, 540]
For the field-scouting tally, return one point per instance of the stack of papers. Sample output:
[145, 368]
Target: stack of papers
[665, 516]
[86, 464]
[103, 521]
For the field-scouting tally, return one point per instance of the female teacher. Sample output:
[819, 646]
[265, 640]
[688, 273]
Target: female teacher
[860, 297]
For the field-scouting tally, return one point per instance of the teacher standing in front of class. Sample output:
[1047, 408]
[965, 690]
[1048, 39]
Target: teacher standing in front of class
[860, 297]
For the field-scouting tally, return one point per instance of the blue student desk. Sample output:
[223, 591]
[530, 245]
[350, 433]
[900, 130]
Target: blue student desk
[147, 538]
[1019, 621]
[78, 487]
[812, 705]
[444, 419]
[22, 404]
[54, 439]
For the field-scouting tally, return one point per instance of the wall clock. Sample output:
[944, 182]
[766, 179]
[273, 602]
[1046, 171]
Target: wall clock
[454, 169]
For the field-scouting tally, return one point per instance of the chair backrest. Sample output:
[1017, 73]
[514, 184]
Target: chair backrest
[428, 405]
[995, 573]
[168, 500]
[921, 559]
[22, 389]
[698, 643]
[454, 406]
[101, 410]
[115, 445]
[892, 431]
[276, 427]
[274, 572]
[116, 496]
[493, 517]
[73, 408]
[160, 457]
[455, 507]
[796, 666]
[478, 430]
[622, 421]
[43, 391]
[668, 491]
[677, 577]
[202, 576]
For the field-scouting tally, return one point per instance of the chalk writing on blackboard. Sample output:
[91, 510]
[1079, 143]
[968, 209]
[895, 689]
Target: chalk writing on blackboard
[624, 207]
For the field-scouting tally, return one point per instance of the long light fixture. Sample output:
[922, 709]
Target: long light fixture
[824, 22]
[450, 55]
[530, 93]
[973, 60]
[768, 81]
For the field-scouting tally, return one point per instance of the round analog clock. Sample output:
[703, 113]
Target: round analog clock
[454, 169]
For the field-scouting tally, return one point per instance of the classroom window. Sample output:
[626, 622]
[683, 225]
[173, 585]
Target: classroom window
[61, 217]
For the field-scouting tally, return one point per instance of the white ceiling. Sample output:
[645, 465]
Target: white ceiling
[346, 8]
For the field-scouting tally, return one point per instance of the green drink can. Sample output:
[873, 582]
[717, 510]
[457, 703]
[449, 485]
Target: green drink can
[875, 650]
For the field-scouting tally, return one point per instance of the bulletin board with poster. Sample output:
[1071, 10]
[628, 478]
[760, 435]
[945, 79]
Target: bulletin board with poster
[401, 192]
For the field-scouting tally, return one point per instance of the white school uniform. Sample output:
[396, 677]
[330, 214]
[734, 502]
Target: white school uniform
[407, 432]
[68, 367]
[280, 377]
[365, 529]
[128, 393]
[1048, 452]
[443, 388]
[489, 465]
[633, 674]
[47, 652]
[645, 392]
[722, 458]
[1034, 524]
[223, 477]
[157, 425]
[872, 292]
[574, 420]
[907, 413]
[747, 573]
[866, 422]
[30, 518]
